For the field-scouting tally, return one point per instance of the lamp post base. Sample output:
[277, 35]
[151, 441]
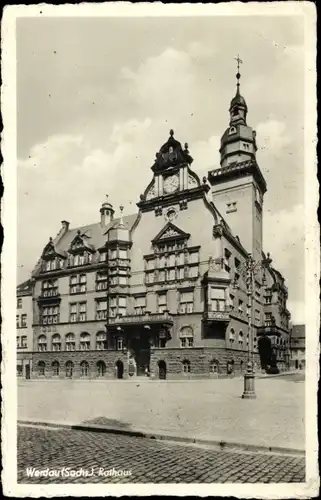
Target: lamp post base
[249, 392]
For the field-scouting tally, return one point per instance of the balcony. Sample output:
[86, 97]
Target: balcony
[269, 328]
[220, 316]
[136, 319]
[49, 295]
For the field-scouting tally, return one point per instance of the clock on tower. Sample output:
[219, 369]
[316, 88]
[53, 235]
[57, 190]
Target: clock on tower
[171, 184]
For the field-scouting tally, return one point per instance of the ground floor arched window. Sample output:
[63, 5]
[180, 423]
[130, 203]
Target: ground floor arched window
[214, 366]
[186, 366]
[84, 369]
[55, 368]
[41, 368]
[69, 369]
[101, 368]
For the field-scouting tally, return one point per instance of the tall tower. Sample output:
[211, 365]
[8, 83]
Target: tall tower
[238, 186]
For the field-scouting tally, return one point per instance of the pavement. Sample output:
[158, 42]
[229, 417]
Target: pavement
[53, 456]
[194, 410]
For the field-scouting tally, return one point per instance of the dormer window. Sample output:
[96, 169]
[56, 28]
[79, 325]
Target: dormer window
[80, 259]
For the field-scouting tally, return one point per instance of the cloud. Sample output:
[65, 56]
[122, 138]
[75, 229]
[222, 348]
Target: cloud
[284, 239]
[273, 136]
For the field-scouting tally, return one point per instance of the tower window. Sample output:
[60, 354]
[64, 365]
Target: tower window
[232, 130]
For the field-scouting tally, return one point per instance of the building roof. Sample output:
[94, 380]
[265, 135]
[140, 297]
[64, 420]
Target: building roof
[96, 234]
[298, 331]
[25, 288]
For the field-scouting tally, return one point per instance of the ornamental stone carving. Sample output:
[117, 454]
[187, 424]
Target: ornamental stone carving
[217, 231]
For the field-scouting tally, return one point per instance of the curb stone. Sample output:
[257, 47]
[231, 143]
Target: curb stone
[222, 444]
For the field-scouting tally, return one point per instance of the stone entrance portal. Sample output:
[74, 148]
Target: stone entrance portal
[139, 346]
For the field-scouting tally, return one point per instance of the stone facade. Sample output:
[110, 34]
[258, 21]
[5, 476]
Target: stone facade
[165, 291]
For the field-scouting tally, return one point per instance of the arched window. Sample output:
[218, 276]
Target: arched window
[214, 366]
[84, 369]
[232, 335]
[101, 340]
[101, 368]
[186, 336]
[55, 368]
[41, 368]
[186, 366]
[42, 343]
[69, 369]
[56, 342]
[70, 342]
[84, 341]
[241, 337]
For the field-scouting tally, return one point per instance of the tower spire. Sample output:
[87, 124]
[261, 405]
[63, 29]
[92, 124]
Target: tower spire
[238, 74]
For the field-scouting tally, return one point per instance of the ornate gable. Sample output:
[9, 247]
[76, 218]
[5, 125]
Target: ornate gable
[170, 232]
[171, 154]
[80, 243]
[49, 252]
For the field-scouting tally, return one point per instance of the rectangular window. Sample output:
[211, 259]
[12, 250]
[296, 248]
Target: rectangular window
[227, 256]
[23, 321]
[193, 258]
[19, 303]
[82, 311]
[73, 313]
[217, 299]
[171, 260]
[122, 280]
[193, 272]
[171, 275]
[181, 259]
[17, 321]
[140, 305]
[240, 306]
[50, 315]
[161, 261]
[186, 302]
[23, 341]
[102, 257]
[101, 309]
[161, 276]
[150, 264]
[122, 254]
[18, 341]
[78, 284]
[162, 302]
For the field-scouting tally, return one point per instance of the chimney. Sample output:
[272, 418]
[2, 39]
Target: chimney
[65, 225]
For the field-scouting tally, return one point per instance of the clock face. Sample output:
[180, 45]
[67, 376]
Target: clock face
[170, 184]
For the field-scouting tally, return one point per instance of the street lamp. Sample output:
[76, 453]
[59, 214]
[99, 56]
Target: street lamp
[248, 271]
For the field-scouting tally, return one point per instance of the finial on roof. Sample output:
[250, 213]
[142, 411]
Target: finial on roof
[171, 132]
[50, 239]
[238, 74]
[186, 147]
[121, 222]
[78, 232]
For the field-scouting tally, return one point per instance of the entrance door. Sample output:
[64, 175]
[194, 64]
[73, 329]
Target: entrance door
[120, 369]
[27, 372]
[141, 350]
[162, 370]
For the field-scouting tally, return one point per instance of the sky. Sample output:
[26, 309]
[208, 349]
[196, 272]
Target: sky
[96, 98]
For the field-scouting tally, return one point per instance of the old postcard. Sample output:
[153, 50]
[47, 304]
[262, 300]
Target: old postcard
[161, 250]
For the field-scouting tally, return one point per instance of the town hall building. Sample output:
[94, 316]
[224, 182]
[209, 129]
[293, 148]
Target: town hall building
[162, 292]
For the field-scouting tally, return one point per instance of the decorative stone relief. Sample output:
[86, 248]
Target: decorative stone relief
[192, 183]
[171, 214]
[151, 193]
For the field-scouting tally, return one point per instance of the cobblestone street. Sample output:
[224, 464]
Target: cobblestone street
[150, 461]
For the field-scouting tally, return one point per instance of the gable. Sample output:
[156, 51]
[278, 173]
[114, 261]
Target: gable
[49, 252]
[170, 232]
[80, 243]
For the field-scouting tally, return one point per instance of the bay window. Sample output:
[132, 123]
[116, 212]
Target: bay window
[217, 299]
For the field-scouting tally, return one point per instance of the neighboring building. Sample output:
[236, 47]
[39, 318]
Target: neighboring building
[154, 291]
[298, 347]
[24, 318]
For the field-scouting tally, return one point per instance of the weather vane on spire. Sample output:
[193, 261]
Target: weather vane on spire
[238, 74]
